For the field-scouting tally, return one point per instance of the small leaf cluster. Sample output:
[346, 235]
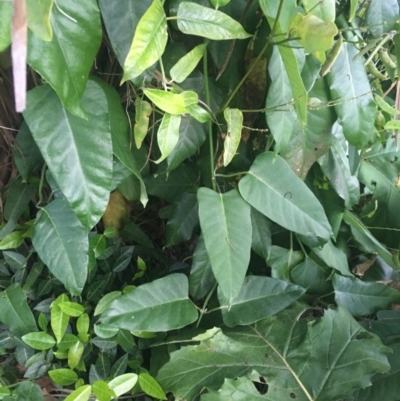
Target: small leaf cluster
[203, 202]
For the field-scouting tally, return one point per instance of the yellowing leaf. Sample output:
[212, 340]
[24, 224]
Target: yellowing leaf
[169, 102]
[185, 65]
[143, 111]
[234, 119]
[168, 135]
[117, 212]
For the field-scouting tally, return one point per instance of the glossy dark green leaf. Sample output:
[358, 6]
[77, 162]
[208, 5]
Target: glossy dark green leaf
[184, 220]
[148, 42]
[18, 198]
[62, 244]
[298, 361]
[261, 234]
[65, 62]
[382, 16]
[26, 154]
[194, 19]
[308, 144]
[282, 261]
[6, 10]
[379, 170]
[363, 298]
[83, 146]
[228, 243]
[259, 298]
[201, 279]
[351, 91]
[15, 312]
[134, 233]
[191, 136]
[152, 306]
[28, 391]
[38, 13]
[120, 20]
[287, 201]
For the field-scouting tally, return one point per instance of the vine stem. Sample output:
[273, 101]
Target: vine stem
[210, 136]
[202, 312]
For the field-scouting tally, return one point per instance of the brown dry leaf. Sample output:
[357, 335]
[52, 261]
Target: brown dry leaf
[360, 269]
[117, 212]
[19, 31]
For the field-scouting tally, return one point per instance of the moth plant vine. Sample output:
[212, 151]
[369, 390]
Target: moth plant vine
[203, 202]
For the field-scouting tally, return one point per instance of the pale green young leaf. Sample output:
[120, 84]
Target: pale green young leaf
[38, 13]
[6, 10]
[82, 324]
[102, 391]
[148, 43]
[168, 135]
[353, 9]
[384, 106]
[106, 301]
[124, 383]
[324, 10]
[228, 243]
[392, 125]
[195, 19]
[39, 340]
[287, 201]
[234, 119]
[169, 102]
[58, 319]
[80, 394]
[15, 312]
[151, 387]
[220, 3]
[142, 113]
[152, 306]
[75, 354]
[185, 65]
[12, 240]
[63, 376]
[71, 308]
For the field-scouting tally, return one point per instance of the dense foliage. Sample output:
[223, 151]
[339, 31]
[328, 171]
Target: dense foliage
[201, 201]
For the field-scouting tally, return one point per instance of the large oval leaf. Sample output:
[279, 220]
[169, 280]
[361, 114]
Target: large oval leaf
[286, 200]
[66, 60]
[227, 241]
[194, 19]
[62, 243]
[153, 306]
[148, 43]
[78, 152]
[351, 91]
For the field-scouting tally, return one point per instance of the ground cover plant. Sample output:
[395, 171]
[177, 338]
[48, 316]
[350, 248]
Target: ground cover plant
[200, 200]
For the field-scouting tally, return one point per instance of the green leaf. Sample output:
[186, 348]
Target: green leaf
[325, 10]
[351, 91]
[239, 389]
[271, 8]
[28, 391]
[194, 19]
[234, 119]
[392, 125]
[186, 64]
[385, 106]
[58, 319]
[62, 244]
[38, 13]
[201, 279]
[261, 234]
[75, 354]
[353, 9]
[80, 394]
[363, 298]
[83, 145]
[191, 136]
[298, 361]
[228, 244]
[183, 221]
[152, 306]
[18, 198]
[54, 60]
[142, 113]
[150, 386]
[259, 298]
[6, 11]
[382, 16]
[219, 3]
[124, 383]
[287, 201]
[71, 308]
[15, 312]
[102, 391]
[39, 340]
[11, 241]
[105, 331]
[82, 324]
[148, 43]
[169, 102]
[106, 301]
[97, 244]
[64, 377]
[167, 135]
